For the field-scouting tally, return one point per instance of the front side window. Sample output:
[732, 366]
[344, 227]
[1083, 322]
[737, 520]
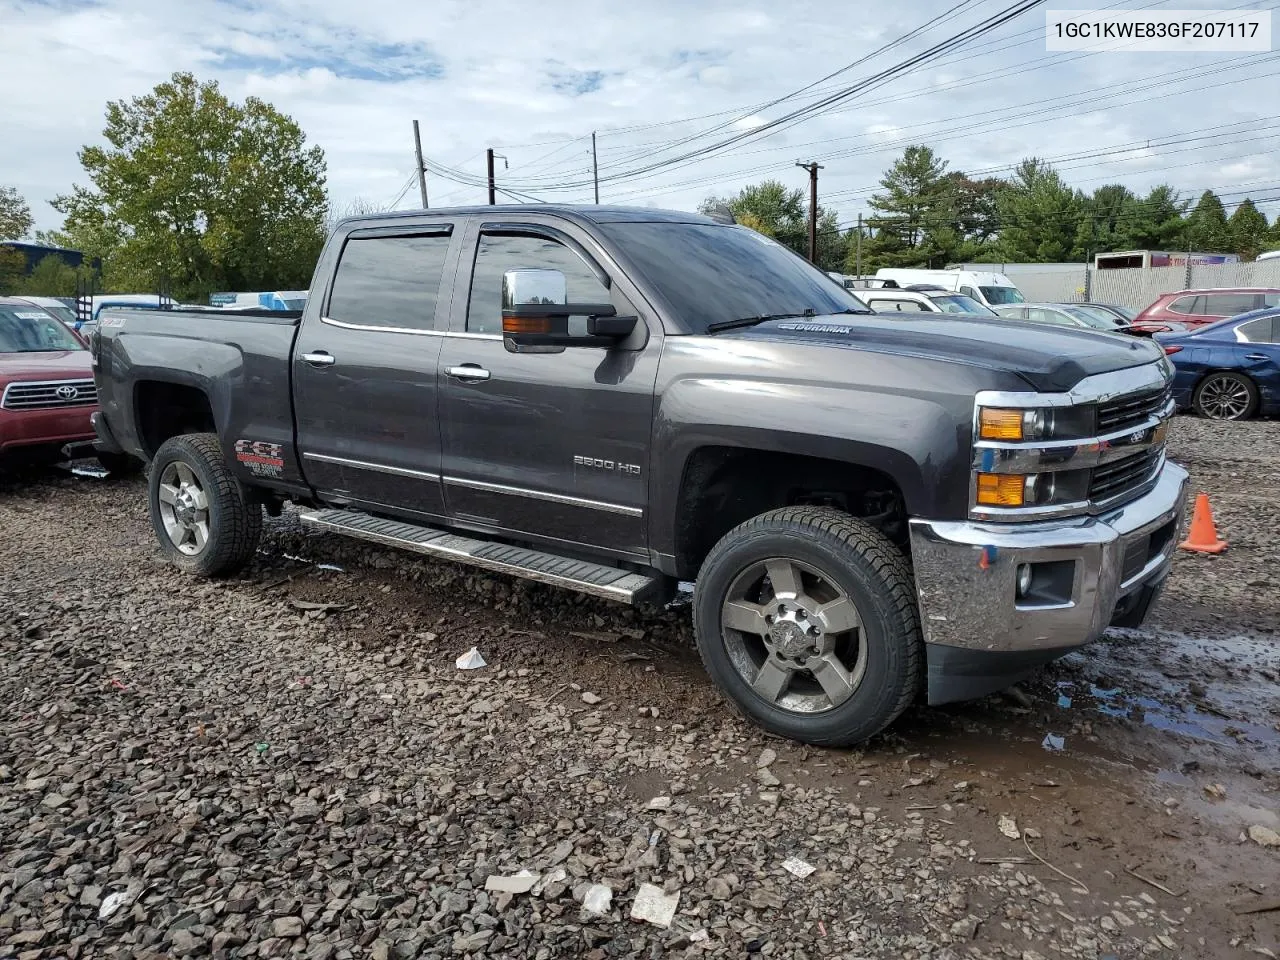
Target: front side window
[961, 303]
[389, 281]
[31, 330]
[500, 252]
[1187, 306]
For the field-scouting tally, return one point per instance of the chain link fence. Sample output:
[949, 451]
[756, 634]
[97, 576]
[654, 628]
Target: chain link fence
[1138, 288]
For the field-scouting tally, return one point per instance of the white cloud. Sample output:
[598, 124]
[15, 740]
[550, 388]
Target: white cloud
[525, 77]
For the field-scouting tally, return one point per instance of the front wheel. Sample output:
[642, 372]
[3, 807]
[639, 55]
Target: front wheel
[1226, 396]
[201, 516]
[806, 618]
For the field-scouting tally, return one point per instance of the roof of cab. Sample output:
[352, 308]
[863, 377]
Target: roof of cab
[587, 212]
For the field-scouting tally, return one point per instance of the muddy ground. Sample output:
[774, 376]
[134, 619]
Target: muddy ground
[263, 780]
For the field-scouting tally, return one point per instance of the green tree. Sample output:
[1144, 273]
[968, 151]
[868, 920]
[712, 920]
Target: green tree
[50, 277]
[15, 215]
[13, 263]
[916, 205]
[200, 192]
[1206, 228]
[1040, 216]
[776, 210]
[1249, 229]
[1154, 222]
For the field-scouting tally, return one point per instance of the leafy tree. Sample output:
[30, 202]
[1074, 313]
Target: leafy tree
[1155, 223]
[51, 277]
[1105, 219]
[13, 263]
[199, 191]
[777, 211]
[1040, 215]
[1207, 228]
[913, 218]
[15, 215]
[1249, 230]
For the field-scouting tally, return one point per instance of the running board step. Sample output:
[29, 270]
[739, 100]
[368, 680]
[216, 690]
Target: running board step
[585, 577]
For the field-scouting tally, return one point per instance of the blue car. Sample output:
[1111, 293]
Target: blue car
[1228, 370]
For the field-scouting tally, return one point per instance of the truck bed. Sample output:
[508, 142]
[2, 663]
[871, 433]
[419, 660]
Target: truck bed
[238, 359]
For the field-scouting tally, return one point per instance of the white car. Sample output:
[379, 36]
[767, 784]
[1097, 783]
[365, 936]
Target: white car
[935, 300]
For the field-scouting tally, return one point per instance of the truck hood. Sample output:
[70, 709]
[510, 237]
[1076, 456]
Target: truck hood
[1050, 359]
[55, 365]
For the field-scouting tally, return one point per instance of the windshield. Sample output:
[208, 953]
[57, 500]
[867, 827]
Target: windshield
[1123, 311]
[1003, 295]
[65, 314]
[29, 330]
[713, 274]
[1100, 319]
[959, 303]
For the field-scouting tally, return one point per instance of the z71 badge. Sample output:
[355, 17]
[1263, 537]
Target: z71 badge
[596, 463]
[263, 459]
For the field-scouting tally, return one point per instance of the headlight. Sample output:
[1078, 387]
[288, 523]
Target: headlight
[1032, 489]
[1012, 425]
[997, 423]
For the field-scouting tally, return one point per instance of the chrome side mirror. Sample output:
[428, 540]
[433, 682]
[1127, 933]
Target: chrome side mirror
[524, 287]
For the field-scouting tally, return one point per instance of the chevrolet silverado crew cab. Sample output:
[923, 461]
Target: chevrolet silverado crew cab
[614, 400]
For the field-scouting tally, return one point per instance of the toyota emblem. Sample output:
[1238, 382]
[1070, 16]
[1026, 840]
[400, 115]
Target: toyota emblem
[67, 392]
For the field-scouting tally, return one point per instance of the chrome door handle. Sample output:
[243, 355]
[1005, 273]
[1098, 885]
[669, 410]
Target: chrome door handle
[319, 359]
[1256, 356]
[468, 371]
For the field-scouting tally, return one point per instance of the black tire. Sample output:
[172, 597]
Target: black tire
[119, 464]
[856, 559]
[1208, 400]
[233, 523]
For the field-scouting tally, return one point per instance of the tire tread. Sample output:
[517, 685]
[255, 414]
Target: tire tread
[241, 520]
[849, 533]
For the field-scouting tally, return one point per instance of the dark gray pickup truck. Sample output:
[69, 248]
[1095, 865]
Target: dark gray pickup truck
[613, 400]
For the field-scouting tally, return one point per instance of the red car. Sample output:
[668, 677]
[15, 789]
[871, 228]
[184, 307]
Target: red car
[47, 391]
[1195, 308]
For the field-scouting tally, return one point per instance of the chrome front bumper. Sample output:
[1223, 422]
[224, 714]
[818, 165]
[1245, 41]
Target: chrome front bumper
[966, 576]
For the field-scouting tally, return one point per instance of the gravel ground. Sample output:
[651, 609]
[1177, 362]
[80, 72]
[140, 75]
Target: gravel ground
[290, 764]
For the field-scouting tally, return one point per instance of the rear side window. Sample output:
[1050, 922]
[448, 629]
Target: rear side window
[970, 292]
[1041, 315]
[501, 252]
[1263, 330]
[1187, 305]
[1230, 304]
[389, 281]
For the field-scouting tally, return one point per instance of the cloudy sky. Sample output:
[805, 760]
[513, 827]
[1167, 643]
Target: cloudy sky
[657, 80]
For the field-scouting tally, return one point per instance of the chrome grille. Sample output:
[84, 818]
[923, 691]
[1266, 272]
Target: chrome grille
[49, 394]
[1132, 410]
[1123, 476]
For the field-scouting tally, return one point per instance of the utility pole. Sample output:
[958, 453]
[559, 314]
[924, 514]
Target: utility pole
[489, 154]
[595, 167]
[813, 169]
[858, 255]
[422, 167]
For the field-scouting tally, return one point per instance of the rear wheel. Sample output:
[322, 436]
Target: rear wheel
[200, 514]
[806, 618]
[1226, 396]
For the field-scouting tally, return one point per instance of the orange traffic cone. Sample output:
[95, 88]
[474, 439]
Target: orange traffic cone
[1203, 537]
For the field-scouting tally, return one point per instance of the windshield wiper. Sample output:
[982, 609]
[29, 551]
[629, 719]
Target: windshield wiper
[753, 321]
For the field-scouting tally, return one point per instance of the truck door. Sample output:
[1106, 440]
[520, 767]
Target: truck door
[365, 368]
[553, 445]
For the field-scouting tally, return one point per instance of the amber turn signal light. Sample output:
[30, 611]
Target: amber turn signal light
[1000, 489]
[997, 424]
[526, 324]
